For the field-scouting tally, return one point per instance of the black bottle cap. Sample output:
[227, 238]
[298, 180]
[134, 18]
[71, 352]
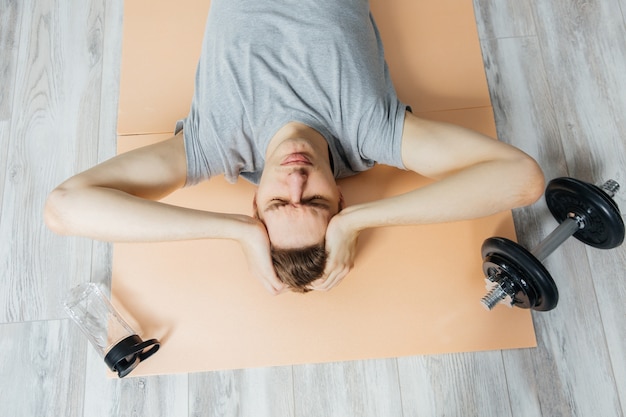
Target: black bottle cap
[128, 353]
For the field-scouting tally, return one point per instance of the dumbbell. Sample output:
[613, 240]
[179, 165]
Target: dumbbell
[517, 277]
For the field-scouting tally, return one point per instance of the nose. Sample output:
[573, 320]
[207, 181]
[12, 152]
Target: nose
[296, 181]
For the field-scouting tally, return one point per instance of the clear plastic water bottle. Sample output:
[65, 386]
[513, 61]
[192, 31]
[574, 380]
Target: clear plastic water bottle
[114, 340]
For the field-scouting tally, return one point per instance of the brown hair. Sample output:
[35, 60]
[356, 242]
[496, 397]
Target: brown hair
[299, 267]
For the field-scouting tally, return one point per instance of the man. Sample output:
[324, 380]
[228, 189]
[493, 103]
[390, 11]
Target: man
[292, 95]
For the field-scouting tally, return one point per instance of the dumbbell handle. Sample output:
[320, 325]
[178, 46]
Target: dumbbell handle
[559, 235]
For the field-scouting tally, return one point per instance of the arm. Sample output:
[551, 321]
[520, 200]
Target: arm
[477, 176]
[116, 201]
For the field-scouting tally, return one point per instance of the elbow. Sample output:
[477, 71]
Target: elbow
[56, 211]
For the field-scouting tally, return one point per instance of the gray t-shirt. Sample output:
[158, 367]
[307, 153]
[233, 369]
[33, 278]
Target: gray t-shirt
[267, 63]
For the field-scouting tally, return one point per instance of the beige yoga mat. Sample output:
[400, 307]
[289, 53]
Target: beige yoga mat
[414, 290]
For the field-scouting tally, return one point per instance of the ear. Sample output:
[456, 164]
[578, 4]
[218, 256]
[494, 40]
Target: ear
[342, 202]
[255, 208]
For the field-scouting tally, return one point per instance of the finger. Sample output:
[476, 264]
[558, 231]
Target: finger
[278, 285]
[272, 284]
[278, 288]
[333, 280]
[317, 284]
[323, 283]
[328, 285]
[283, 290]
[274, 290]
[269, 279]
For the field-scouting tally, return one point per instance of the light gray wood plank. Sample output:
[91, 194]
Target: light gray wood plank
[155, 396]
[5, 137]
[468, 384]
[263, 392]
[608, 278]
[55, 124]
[360, 388]
[42, 367]
[523, 389]
[504, 18]
[111, 67]
[584, 54]
[10, 25]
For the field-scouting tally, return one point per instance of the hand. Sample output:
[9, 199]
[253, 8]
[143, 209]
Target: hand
[341, 242]
[256, 246]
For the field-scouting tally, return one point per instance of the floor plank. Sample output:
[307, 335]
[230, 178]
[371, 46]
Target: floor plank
[607, 276]
[504, 19]
[111, 60]
[5, 138]
[360, 388]
[10, 25]
[263, 392]
[467, 384]
[584, 56]
[42, 368]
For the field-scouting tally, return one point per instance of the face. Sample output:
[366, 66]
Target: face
[297, 194]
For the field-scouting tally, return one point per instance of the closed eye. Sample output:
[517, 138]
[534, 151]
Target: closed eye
[277, 202]
[316, 201]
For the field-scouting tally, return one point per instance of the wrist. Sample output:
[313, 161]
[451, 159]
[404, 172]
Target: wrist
[348, 221]
[243, 227]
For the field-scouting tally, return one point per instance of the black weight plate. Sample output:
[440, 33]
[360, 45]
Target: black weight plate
[520, 265]
[604, 226]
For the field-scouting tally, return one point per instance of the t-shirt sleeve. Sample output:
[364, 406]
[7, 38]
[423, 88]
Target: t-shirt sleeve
[380, 133]
[197, 165]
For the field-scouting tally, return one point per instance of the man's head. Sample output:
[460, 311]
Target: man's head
[297, 196]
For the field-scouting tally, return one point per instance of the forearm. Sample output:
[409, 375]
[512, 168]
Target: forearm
[112, 215]
[476, 191]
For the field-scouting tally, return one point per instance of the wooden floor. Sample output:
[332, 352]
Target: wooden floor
[557, 77]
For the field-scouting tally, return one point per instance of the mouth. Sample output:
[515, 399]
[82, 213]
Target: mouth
[296, 159]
